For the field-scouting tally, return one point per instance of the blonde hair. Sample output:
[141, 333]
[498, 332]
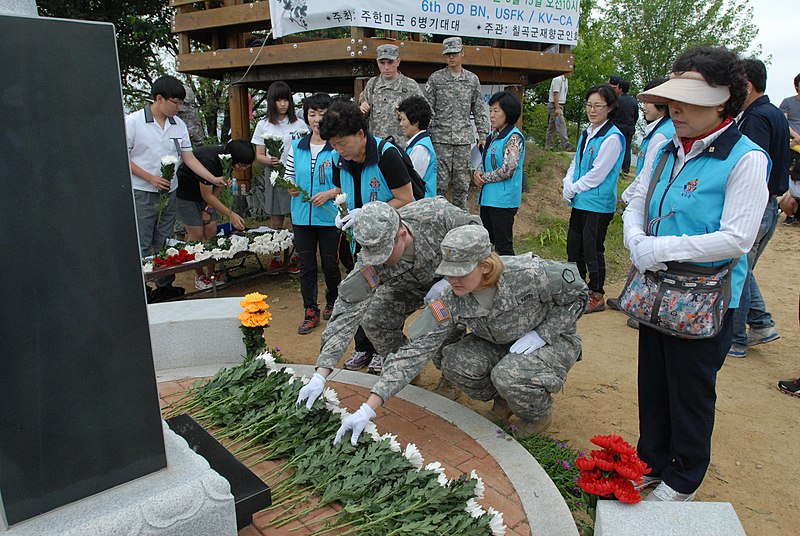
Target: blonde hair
[495, 265]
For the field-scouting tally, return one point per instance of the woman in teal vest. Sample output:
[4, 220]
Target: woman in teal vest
[590, 188]
[706, 208]
[309, 163]
[414, 114]
[500, 175]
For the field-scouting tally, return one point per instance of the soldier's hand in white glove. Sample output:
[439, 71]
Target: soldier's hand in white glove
[528, 343]
[311, 391]
[347, 221]
[356, 423]
[643, 255]
[436, 291]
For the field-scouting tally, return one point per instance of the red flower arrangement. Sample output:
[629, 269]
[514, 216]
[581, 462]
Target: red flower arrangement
[612, 470]
[173, 260]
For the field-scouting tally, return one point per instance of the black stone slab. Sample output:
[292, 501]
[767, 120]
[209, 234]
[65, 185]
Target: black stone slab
[249, 492]
[78, 402]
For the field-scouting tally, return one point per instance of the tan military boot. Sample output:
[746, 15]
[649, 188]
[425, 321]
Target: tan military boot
[446, 389]
[526, 429]
[501, 409]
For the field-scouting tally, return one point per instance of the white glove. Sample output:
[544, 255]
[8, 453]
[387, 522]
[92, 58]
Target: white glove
[528, 343]
[643, 255]
[355, 422]
[568, 192]
[312, 390]
[634, 239]
[345, 222]
[436, 291]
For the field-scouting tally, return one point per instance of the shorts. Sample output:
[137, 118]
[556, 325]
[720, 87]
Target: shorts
[191, 213]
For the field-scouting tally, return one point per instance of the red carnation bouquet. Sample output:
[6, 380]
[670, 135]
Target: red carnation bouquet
[173, 260]
[612, 470]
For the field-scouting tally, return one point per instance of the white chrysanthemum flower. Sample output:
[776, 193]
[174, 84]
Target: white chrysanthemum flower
[372, 430]
[169, 160]
[341, 200]
[338, 410]
[479, 487]
[171, 252]
[343, 414]
[442, 479]
[474, 509]
[305, 379]
[394, 446]
[202, 256]
[273, 177]
[497, 524]
[436, 467]
[273, 137]
[414, 456]
[148, 267]
[224, 157]
[267, 358]
[330, 396]
[289, 370]
[220, 242]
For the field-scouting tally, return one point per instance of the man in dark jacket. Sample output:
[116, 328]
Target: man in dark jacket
[627, 116]
[766, 125]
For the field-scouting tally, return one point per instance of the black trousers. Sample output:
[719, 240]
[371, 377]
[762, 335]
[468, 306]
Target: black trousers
[586, 245]
[500, 224]
[626, 160]
[307, 238]
[677, 396]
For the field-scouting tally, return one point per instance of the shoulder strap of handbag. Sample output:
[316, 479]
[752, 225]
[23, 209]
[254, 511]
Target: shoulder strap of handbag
[653, 182]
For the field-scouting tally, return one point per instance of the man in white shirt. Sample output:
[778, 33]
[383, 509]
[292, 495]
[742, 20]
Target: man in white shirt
[559, 87]
[153, 133]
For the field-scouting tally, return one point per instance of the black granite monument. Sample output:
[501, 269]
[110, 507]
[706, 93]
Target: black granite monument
[78, 402]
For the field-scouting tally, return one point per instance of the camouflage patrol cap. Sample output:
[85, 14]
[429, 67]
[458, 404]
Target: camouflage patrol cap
[388, 52]
[462, 249]
[375, 229]
[451, 45]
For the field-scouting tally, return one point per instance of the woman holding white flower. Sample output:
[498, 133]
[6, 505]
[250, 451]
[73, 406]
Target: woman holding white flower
[281, 122]
[309, 165]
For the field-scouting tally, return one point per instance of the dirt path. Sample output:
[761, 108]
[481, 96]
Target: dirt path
[757, 429]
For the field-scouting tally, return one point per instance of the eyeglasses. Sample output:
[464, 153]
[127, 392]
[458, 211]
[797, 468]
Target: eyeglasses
[176, 100]
[598, 107]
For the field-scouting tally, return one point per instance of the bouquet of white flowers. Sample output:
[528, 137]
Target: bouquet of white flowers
[168, 164]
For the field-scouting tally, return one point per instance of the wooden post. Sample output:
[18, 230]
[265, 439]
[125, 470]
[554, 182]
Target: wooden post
[240, 123]
[520, 93]
[358, 86]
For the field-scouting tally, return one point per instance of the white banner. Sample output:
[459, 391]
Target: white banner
[545, 21]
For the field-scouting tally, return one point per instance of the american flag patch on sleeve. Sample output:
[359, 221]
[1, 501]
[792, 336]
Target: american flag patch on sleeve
[371, 276]
[439, 310]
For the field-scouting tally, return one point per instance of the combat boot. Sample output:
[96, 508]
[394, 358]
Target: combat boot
[526, 429]
[446, 389]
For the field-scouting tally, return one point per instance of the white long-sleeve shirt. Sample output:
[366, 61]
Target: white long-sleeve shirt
[655, 143]
[606, 158]
[746, 196]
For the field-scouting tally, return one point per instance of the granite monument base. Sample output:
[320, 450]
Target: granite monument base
[187, 497]
[667, 519]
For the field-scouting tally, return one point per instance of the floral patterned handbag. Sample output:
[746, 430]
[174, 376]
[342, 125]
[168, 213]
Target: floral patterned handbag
[688, 301]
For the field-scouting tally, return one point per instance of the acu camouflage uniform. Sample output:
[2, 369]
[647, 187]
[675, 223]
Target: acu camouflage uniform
[383, 97]
[452, 98]
[380, 298]
[532, 293]
[188, 113]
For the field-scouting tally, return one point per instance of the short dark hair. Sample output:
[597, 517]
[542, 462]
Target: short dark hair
[510, 105]
[241, 151]
[317, 101]
[608, 94]
[624, 86]
[343, 118]
[719, 67]
[417, 110]
[756, 73]
[278, 91]
[797, 81]
[614, 80]
[168, 87]
[655, 82]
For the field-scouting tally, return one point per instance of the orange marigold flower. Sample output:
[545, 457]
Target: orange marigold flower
[253, 307]
[255, 297]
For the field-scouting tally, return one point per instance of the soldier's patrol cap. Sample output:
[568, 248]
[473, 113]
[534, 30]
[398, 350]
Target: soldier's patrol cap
[451, 45]
[375, 229]
[388, 52]
[462, 249]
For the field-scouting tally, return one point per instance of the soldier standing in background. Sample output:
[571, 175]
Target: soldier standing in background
[453, 93]
[522, 314]
[383, 93]
[188, 113]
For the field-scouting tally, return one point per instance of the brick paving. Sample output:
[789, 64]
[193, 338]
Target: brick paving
[437, 440]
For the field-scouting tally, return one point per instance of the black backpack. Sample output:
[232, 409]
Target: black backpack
[417, 184]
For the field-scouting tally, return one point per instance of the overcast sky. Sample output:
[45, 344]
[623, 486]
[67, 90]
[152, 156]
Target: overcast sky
[779, 34]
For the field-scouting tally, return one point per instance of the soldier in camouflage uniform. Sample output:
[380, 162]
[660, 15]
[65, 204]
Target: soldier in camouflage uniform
[400, 249]
[383, 93]
[521, 312]
[454, 92]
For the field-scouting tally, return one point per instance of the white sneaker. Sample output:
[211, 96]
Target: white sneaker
[666, 494]
[647, 482]
[758, 336]
[201, 282]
